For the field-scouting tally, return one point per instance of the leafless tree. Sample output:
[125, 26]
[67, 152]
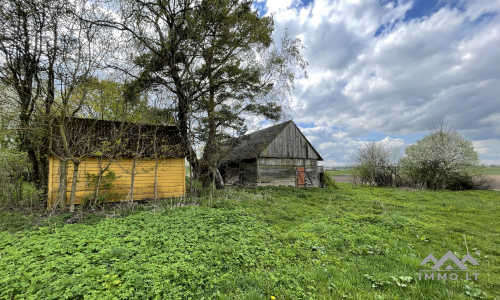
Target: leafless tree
[28, 50]
[376, 164]
[82, 48]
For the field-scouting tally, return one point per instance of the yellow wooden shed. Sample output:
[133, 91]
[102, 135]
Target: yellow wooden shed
[151, 155]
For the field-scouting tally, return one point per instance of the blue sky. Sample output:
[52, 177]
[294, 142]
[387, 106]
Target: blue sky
[387, 70]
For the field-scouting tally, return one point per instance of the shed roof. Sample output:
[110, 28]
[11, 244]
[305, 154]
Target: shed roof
[252, 145]
[87, 137]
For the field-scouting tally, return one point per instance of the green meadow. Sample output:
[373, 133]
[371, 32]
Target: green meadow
[286, 243]
[492, 171]
[339, 172]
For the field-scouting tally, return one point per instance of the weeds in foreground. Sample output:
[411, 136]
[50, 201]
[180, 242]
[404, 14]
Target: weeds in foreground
[351, 243]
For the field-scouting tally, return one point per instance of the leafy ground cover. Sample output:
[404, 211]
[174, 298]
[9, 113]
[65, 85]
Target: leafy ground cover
[352, 243]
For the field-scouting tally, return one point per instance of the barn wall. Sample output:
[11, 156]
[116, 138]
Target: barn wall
[281, 171]
[290, 143]
[171, 178]
[249, 167]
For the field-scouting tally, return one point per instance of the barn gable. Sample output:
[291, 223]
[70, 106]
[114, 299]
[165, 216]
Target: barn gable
[279, 141]
[277, 155]
[290, 143]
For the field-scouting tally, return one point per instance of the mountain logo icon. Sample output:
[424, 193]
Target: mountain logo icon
[444, 259]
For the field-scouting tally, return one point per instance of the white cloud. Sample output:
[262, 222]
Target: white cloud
[439, 67]
[488, 149]
[393, 143]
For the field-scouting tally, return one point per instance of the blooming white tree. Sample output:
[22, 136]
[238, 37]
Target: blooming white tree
[440, 157]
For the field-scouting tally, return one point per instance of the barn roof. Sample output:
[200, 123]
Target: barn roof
[90, 137]
[252, 145]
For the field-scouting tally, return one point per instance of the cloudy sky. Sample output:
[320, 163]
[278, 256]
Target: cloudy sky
[387, 70]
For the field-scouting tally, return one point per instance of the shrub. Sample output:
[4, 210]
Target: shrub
[376, 164]
[441, 159]
[101, 194]
[329, 181]
[14, 170]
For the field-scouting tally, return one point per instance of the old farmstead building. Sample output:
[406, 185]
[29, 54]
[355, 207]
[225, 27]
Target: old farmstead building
[106, 146]
[277, 155]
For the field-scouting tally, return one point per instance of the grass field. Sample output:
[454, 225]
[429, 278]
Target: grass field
[346, 172]
[492, 171]
[347, 243]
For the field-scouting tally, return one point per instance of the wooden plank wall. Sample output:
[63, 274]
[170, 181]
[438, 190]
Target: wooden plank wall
[171, 178]
[290, 143]
[281, 171]
[249, 167]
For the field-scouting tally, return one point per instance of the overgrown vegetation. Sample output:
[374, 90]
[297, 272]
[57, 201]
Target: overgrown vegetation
[207, 67]
[102, 184]
[15, 189]
[329, 182]
[440, 160]
[346, 243]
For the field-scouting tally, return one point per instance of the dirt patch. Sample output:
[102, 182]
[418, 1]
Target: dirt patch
[495, 178]
[342, 178]
[496, 182]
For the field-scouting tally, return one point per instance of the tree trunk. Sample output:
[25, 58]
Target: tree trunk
[219, 182]
[209, 151]
[34, 163]
[76, 165]
[49, 101]
[182, 115]
[63, 176]
[156, 178]
[156, 167]
[132, 179]
[99, 177]
[44, 172]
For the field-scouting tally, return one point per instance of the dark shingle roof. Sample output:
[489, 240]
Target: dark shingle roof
[86, 137]
[251, 145]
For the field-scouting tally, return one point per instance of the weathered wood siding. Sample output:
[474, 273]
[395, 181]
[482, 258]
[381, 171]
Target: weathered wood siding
[170, 178]
[281, 171]
[250, 169]
[290, 143]
[264, 161]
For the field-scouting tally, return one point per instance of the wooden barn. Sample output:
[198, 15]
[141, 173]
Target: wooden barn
[277, 155]
[110, 147]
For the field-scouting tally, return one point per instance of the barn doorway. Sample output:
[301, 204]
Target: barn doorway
[300, 179]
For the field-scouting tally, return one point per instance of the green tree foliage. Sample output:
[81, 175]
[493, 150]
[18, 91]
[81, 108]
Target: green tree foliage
[218, 60]
[241, 71]
[103, 100]
[14, 168]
